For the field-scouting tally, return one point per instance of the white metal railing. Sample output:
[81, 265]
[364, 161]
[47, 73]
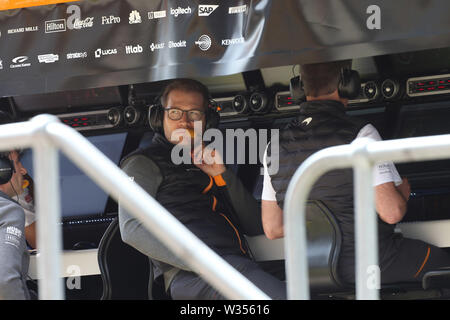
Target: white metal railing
[46, 134]
[361, 155]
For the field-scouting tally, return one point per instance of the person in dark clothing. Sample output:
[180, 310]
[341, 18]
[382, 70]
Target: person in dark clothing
[206, 197]
[323, 123]
[14, 257]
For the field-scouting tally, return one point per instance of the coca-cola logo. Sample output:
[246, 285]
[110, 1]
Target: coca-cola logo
[83, 23]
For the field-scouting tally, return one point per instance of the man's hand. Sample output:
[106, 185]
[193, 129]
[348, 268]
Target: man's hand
[405, 189]
[208, 160]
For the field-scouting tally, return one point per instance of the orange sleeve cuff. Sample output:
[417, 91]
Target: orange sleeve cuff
[219, 180]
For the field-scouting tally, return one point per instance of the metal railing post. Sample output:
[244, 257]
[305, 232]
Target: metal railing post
[46, 168]
[366, 237]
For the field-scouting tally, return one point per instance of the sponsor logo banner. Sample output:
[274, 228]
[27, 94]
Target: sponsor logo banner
[23, 29]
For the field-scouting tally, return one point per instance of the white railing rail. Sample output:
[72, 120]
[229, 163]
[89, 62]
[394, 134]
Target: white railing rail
[362, 156]
[46, 135]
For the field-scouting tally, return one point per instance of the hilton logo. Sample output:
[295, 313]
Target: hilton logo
[55, 26]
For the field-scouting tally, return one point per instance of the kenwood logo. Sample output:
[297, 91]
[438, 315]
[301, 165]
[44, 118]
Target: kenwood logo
[133, 49]
[204, 10]
[55, 26]
[107, 52]
[229, 42]
[176, 12]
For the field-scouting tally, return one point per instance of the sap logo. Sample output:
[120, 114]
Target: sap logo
[204, 10]
[133, 49]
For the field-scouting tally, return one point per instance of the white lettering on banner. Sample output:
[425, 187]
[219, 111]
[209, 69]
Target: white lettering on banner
[157, 14]
[178, 44]
[76, 55]
[82, 24]
[133, 49]
[204, 10]
[236, 10]
[157, 46]
[176, 12]
[228, 42]
[100, 52]
[1, 64]
[23, 29]
[19, 62]
[110, 20]
[55, 26]
[48, 58]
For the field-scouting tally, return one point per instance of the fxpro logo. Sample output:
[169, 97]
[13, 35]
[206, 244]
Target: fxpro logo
[104, 52]
[204, 10]
[110, 19]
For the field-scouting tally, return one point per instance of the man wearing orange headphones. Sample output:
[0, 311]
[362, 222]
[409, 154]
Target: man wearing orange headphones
[14, 257]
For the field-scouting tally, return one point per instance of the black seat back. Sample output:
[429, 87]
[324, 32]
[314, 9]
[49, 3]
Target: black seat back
[324, 244]
[125, 271]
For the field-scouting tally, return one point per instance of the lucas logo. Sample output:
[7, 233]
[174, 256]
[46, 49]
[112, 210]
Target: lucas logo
[204, 10]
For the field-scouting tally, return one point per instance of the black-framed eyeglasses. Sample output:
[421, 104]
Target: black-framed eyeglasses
[177, 114]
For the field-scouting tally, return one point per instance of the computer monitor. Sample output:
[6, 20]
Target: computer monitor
[80, 196]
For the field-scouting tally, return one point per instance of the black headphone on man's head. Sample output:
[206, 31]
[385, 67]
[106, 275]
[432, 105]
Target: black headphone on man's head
[349, 85]
[156, 116]
[7, 168]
